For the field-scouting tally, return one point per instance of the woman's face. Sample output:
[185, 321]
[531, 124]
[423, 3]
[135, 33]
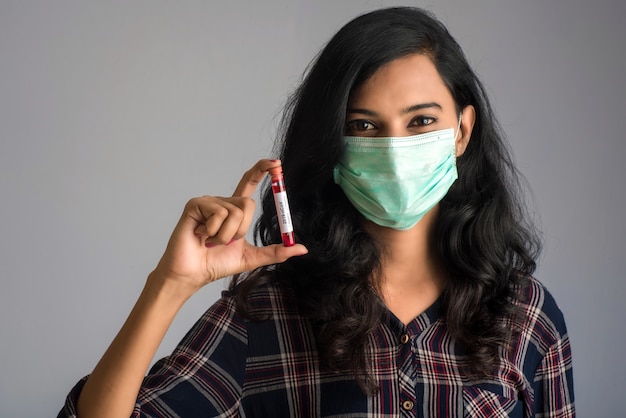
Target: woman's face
[406, 97]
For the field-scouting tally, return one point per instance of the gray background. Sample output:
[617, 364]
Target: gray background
[114, 113]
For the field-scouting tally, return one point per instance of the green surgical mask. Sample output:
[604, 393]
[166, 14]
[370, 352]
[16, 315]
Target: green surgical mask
[395, 181]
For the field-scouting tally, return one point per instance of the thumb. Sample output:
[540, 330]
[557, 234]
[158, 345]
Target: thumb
[274, 254]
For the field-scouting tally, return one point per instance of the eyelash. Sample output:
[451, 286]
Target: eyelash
[352, 126]
[356, 125]
[430, 120]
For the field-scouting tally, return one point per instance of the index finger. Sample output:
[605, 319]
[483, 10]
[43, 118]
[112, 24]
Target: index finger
[251, 178]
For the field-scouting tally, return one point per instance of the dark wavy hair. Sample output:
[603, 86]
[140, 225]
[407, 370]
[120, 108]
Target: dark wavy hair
[481, 233]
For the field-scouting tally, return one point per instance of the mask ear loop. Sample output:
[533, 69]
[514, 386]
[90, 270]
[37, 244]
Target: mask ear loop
[458, 127]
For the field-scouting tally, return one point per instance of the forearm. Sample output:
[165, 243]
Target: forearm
[111, 389]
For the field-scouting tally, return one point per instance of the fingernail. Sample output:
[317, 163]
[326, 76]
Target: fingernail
[209, 244]
[231, 241]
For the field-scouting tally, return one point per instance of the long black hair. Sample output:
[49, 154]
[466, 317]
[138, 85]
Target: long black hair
[480, 234]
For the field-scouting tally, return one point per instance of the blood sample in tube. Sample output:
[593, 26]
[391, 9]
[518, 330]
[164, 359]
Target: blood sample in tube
[282, 206]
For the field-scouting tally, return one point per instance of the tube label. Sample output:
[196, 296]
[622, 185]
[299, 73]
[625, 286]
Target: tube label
[282, 210]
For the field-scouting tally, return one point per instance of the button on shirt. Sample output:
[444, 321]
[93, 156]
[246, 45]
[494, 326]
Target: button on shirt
[229, 366]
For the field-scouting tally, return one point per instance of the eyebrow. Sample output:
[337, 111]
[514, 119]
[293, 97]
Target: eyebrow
[406, 110]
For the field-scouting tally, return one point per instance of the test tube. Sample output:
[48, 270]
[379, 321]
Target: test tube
[282, 206]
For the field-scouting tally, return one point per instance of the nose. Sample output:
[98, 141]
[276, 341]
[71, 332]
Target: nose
[393, 130]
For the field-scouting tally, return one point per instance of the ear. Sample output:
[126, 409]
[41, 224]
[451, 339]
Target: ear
[468, 117]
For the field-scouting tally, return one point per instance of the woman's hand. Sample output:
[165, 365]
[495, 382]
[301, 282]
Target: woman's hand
[209, 242]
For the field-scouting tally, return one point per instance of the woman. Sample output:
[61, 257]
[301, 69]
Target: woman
[410, 291]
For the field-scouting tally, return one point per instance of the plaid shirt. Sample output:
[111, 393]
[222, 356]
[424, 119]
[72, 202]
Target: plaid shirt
[229, 366]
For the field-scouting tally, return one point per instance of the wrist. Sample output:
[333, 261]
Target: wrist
[166, 291]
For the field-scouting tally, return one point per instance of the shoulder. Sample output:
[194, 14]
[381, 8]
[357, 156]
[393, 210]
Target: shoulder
[274, 324]
[543, 347]
[541, 310]
[236, 312]
[540, 323]
[267, 300]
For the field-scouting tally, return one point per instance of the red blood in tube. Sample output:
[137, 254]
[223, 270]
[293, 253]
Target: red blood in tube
[282, 206]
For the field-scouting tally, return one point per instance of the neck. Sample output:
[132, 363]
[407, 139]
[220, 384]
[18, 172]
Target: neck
[411, 276]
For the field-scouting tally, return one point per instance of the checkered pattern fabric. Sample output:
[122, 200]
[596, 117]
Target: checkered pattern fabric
[230, 367]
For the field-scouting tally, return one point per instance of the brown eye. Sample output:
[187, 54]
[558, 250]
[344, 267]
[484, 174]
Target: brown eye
[423, 121]
[359, 125]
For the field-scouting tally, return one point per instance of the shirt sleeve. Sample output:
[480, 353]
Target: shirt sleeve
[69, 409]
[554, 383]
[202, 377]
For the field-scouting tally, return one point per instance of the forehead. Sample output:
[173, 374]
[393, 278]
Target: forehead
[403, 82]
